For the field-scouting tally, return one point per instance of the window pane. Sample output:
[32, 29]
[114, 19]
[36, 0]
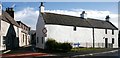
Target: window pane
[112, 32]
[112, 40]
[105, 31]
[42, 40]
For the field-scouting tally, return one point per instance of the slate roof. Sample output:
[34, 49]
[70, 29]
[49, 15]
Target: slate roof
[6, 17]
[22, 23]
[60, 19]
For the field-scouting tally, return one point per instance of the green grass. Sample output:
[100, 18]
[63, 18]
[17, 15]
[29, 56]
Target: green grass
[88, 49]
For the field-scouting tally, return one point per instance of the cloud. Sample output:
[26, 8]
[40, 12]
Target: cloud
[90, 14]
[29, 15]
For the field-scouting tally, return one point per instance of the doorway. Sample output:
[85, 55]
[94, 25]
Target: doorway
[106, 42]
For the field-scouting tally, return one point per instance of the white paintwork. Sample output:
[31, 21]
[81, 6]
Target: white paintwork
[82, 35]
[42, 9]
[25, 41]
[4, 30]
[100, 37]
[67, 34]
[39, 33]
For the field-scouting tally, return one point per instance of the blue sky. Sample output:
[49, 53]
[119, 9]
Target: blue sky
[103, 6]
[28, 12]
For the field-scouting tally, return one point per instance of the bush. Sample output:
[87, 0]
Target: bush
[66, 46]
[52, 45]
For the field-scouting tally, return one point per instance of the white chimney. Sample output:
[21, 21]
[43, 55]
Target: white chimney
[83, 15]
[107, 18]
[42, 8]
[0, 8]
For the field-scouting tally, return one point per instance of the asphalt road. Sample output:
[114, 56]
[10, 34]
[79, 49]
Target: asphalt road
[112, 54]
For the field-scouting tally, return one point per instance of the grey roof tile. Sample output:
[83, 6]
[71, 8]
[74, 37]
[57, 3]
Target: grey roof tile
[59, 19]
[6, 17]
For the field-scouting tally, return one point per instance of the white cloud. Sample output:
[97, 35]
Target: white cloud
[29, 16]
[90, 14]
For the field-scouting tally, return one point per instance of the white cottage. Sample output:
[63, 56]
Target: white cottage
[80, 31]
[24, 34]
[8, 30]
[12, 34]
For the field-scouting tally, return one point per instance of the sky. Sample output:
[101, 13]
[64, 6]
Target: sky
[28, 12]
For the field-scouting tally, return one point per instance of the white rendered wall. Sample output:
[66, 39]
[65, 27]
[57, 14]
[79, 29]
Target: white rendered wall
[100, 36]
[4, 29]
[22, 42]
[39, 33]
[67, 34]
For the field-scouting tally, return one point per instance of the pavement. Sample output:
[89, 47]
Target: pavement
[28, 52]
[22, 52]
[21, 55]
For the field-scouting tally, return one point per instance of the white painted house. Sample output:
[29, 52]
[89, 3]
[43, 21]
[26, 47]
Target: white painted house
[79, 31]
[10, 31]
[24, 34]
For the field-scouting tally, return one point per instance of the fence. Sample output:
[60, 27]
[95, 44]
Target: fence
[90, 45]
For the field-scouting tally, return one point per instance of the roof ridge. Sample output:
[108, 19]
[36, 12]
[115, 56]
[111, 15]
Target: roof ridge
[62, 14]
[62, 19]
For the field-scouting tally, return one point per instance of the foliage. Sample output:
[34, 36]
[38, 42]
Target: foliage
[52, 45]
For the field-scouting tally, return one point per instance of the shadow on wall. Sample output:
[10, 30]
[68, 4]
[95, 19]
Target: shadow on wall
[11, 41]
[33, 39]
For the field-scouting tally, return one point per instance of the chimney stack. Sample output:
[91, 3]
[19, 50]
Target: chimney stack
[83, 15]
[0, 8]
[42, 8]
[107, 18]
[10, 11]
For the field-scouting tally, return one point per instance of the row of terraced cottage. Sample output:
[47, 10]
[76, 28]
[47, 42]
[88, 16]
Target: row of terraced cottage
[79, 31]
[13, 34]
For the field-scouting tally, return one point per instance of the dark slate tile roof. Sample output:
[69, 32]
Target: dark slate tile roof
[6, 17]
[101, 24]
[20, 22]
[60, 19]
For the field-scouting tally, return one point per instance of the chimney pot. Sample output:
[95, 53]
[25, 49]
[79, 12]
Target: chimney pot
[83, 15]
[10, 11]
[107, 18]
[42, 8]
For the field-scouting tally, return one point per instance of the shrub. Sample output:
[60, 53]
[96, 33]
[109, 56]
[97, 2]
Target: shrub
[52, 45]
[66, 47]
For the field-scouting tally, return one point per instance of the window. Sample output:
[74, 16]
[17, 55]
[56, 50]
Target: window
[112, 32]
[23, 37]
[112, 40]
[105, 31]
[74, 28]
[37, 40]
[4, 39]
[42, 39]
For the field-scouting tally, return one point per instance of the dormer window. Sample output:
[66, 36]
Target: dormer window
[75, 28]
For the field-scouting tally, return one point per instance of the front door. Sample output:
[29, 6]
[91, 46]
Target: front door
[106, 42]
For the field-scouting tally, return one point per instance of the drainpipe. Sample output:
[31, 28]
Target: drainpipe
[93, 39]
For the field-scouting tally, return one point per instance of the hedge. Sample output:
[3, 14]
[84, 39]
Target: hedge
[52, 45]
